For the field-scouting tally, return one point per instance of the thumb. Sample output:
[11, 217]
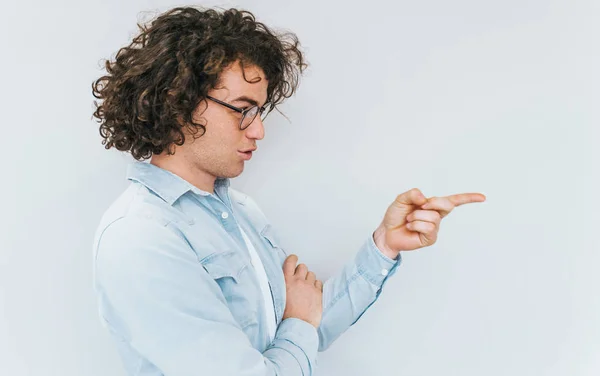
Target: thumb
[403, 205]
[289, 265]
[412, 197]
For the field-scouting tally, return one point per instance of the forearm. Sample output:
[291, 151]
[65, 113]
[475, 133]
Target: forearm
[294, 349]
[347, 295]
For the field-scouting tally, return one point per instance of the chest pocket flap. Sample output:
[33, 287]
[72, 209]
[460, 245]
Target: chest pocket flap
[224, 264]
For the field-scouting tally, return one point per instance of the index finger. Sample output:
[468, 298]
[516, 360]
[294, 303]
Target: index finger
[466, 198]
[289, 265]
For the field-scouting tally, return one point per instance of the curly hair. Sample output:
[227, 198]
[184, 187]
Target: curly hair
[154, 84]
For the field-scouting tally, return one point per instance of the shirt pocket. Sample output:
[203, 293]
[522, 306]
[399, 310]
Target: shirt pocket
[268, 234]
[233, 275]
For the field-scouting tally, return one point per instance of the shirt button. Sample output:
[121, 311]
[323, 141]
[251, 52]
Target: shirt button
[384, 272]
[224, 215]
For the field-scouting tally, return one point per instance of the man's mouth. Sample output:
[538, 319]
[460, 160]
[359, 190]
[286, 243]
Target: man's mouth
[246, 154]
[248, 150]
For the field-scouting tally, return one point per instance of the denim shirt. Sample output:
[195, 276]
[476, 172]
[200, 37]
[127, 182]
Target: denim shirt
[179, 296]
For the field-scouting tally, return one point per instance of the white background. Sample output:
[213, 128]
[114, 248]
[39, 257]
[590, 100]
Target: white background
[497, 97]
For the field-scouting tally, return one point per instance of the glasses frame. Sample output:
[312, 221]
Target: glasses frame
[242, 111]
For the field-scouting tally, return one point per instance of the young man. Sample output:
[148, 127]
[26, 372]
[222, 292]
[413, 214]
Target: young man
[190, 276]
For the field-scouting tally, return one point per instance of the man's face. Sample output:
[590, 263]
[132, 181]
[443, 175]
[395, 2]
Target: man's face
[218, 151]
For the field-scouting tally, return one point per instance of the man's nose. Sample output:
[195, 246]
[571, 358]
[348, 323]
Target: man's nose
[256, 129]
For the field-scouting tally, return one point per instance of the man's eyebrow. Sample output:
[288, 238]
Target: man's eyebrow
[246, 99]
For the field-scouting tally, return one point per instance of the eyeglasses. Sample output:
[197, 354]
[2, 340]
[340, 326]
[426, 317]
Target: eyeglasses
[248, 114]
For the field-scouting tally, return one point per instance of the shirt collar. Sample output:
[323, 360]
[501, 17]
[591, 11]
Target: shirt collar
[166, 184]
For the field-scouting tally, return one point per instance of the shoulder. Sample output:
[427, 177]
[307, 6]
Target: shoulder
[137, 220]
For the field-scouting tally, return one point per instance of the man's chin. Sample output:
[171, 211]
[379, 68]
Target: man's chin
[234, 172]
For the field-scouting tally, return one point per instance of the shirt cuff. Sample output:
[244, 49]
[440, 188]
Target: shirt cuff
[303, 336]
[373, 265]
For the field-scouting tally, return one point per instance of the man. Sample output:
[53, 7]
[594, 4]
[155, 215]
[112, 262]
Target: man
[190, 276]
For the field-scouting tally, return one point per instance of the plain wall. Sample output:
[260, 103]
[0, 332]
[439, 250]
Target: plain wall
[498, 97]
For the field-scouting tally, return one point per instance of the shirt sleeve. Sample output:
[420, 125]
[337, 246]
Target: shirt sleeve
[348, 294]
[174, 314]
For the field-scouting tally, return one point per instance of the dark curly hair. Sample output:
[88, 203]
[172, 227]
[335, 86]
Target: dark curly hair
[154, 84]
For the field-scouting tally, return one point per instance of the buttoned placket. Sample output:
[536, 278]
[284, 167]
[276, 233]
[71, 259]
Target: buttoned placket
[231, 223]
[225, 215]
[223, 212]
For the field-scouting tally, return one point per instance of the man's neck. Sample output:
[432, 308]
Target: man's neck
[178, 166]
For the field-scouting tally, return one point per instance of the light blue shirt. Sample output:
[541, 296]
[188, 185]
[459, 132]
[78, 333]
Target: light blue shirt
[179, 296]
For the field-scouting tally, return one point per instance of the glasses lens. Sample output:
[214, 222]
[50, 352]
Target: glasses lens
[249, 117]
